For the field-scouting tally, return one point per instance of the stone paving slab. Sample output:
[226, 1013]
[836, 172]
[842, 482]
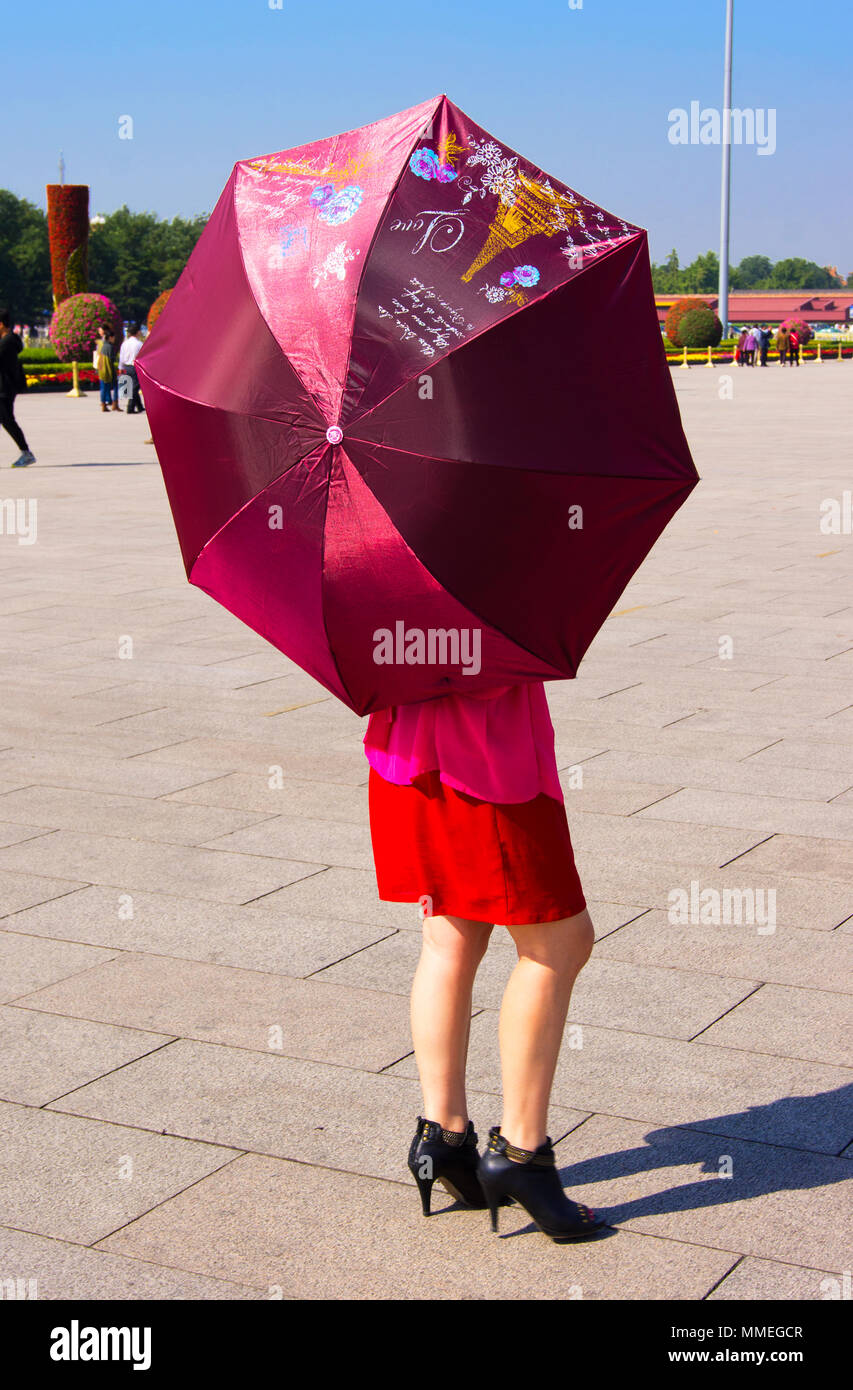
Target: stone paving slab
[264, 1220]
[44, 1055]
[144, 864]
[245, 1008]
[326, 800]
[27, 964]
[616, 798]
[341, 892]
[637, 837]
[60, 1271]
[805, 856]
[767, 815]
[119, 776]
[779, 1203]
[66, 1272]
[813, 1024]
[62, 808]
[742, 1095]
[11, 834]
[750, 776]
[62, 1176]
[676, 741]
[221, 934]
[313, 1112]
[299, 840]
[787, 956]
[20, 891]
[761, 1280]
[814, 903]
[642, 999]
[234, 756]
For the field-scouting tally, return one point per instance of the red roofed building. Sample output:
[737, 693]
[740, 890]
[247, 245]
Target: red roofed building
[833, 307]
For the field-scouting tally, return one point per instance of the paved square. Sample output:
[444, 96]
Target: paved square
[207, 1087]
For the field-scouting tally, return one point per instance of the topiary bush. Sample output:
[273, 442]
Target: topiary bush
[77, 322]
[700, 328]
[804, 333]
[157, 308]
[676, 314]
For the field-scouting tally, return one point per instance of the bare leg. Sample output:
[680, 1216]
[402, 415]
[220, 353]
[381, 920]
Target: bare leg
[441, 1013]
[532, 1019]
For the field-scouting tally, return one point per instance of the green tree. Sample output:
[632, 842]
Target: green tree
[133, 256]
[25, 285]
[665, 277]
[797, 274]
[752, 273]
[702, 276]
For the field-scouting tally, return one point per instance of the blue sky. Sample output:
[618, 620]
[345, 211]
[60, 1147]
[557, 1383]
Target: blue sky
[584, 92]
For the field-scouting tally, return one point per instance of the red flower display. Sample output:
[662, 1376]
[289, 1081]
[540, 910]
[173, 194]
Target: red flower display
[801, 328]
[677, 313]
[77, 322]
[68, 230]
[157, 308]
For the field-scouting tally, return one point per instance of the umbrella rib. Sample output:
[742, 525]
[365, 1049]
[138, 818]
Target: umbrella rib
[243, 414]
[329, 643]
[380, 223]
[250, 502]
[546, 472]
[311, 394]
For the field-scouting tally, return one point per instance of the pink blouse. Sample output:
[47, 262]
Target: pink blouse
[497, 746]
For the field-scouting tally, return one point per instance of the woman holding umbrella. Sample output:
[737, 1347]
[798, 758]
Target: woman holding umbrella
[350, 481]
[467, 818]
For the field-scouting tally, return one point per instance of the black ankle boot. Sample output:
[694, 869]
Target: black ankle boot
[531, 1177]
[453, 1165]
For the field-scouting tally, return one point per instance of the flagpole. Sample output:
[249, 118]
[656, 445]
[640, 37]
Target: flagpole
[723, 295]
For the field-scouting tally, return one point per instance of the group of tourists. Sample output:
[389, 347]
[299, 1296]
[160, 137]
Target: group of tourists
[788, 343]
[113, 359]
[753, 341]
[756, 341]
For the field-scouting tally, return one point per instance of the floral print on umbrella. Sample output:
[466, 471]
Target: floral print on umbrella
[512, 285]
[333, 207]
[427, 165]
[526, 275]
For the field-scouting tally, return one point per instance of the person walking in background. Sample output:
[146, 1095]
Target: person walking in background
[764, 336]
[740, 350]
[782, 345]
[751, 343]
[126, 359]
[106, 356]
[794, 347]
[12, 382]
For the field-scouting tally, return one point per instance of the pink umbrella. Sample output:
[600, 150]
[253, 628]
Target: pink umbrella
[413, 411]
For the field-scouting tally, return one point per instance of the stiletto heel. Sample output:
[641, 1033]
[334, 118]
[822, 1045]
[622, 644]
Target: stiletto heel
[425, 1189]
[531, 1178]
[455, 1166]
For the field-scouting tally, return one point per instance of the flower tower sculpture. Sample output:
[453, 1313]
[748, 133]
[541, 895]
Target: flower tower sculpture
[68, 231]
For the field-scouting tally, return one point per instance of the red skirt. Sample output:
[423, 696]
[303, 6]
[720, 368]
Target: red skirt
[509, 864]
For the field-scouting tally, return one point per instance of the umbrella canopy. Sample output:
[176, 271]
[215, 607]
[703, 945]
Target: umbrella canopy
[413, 411]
